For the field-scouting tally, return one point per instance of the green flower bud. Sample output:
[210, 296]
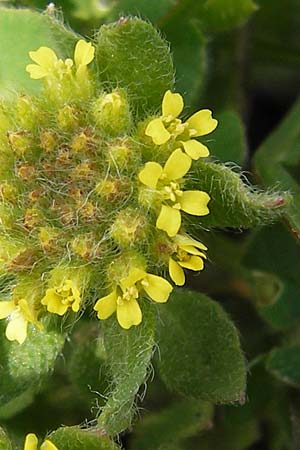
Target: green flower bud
[120, 266]
[20, 142]
[112, 113]
[67, 118]
[27, 113]
[129, 228]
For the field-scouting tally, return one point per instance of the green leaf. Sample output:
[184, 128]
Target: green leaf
[74, 438]
[36, 30]
[152, 11]
[229, 140]
[282, 149]
[200, 354]
[170, 426]
[129, 354]
[188, 51]
[5, 443]
[234, 429]
[131, 54]
[282, 260]
[233, 202]
[284, 364]
[25, 367]
[218, 15]
[86, 362]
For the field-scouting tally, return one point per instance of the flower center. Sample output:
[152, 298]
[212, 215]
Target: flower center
[173, 191]
[130, 293]
[182, 255]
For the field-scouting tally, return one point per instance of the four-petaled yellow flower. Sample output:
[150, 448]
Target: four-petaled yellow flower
[31, 443]
[167, 181]
[123, 299]
[48, 64]
[19, 314]
[168, 125]
[59, 299]
[188, 255]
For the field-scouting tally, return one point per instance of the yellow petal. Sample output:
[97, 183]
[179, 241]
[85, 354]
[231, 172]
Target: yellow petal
[16, 329]
[195, 149]
[134, 276]
[47, 445]
[177, 165]
[169, 220]
[172, 105]
[176, 273]
[157, 131]
[157, 288]
[31, 442]
[106, 306]
[6, 308]
[195, 202]
[26, 311]
[187, 240]
[36, 72]
[44, 57]
[202, 122]
[84, 53]
[193, 263]
[129, 313]
[192, 250]
[150, 174]
[53, 302]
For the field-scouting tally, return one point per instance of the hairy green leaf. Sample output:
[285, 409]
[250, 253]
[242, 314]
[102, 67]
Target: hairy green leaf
[74, 438]
[129, 354]
[131, 54]
[24, 368]
[200, 354]
[233, 202]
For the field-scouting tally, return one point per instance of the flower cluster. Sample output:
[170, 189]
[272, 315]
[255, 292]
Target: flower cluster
[92, 209]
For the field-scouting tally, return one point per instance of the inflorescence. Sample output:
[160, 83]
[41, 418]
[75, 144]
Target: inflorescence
[93, 203]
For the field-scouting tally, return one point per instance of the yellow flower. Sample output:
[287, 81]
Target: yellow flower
[59, 299]
[31, 443]
[48, 64]
[187, 255]
[19, 314]
[166, 181]
[168, 125]
[83, 55]
[123, 299]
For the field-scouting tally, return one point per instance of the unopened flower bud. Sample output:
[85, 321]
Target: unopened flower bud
[112, 113]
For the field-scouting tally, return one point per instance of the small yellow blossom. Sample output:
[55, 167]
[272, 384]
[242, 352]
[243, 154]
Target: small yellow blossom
[59, 299]
[19, 314]
[166, 180]
[188, 255]
[123, 299]
[83, 55]
[31, 443]
[163, 128]
[49, 65]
